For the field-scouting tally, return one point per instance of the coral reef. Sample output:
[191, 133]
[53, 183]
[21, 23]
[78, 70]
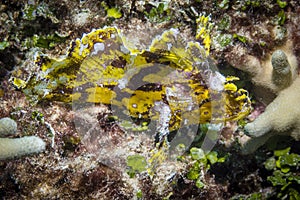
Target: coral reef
[16, 147]
[242, 34]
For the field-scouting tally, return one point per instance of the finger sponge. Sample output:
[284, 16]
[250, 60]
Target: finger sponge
[16, 147]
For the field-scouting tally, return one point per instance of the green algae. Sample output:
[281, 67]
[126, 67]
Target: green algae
[38, 116]
[281, 17]
[112, 12]
[282, 4]
[4, 44]
[285, 177]
[240, 38]
[34, 10]
[44, 41]
[136, 164]
[224, 4]
[158, 13]
[202, 162]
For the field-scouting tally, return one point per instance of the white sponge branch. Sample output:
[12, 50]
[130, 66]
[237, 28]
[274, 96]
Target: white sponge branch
[7, 126]
[282, 74]
[281, 117]
[16, 147]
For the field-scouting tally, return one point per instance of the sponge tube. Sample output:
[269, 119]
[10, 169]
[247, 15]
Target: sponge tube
[15, 147]
[282, 74]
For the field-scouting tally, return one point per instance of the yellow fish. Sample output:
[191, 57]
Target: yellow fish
[170, 78]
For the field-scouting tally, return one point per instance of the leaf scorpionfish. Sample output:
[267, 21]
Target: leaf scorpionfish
[172, 81]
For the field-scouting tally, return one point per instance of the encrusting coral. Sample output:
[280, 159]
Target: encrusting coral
[16, 147]
[69, 170]
[282, 116]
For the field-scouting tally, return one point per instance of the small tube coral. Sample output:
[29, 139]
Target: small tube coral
[15, 147]
[282, 74]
